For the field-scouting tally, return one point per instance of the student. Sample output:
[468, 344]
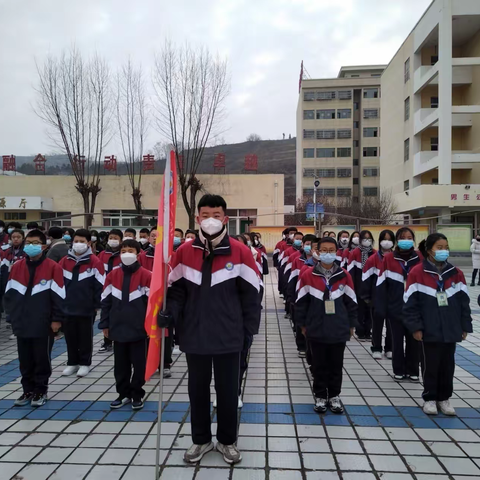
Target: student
[146, 261]
[190, 235]
[3, 234]
[84, 278]
[33, 300]
[343, 239]
[130, 233]
[177, 238]
[103, 239]
[326, 311]
[11, 226]
[58, 246]
[144, 236]
[279, 247]
[475, 249]
[96, 246]
[397, 267]
[332, 235]
[68, 234]
[354, 241]
[110, 259]
[123, 321]
[370, 294]
[32, 226]
[437, 313]
[257, 244]
[356, 261]
[289, 238]
[326, 233]
[288, 256]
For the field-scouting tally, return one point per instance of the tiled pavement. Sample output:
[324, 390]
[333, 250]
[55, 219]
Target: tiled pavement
[383, 435]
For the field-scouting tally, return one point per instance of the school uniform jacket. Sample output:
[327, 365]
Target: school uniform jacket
[298, 263]
[422, 312]
[286, 266]
[314, 289]
[372, 269]
[8, 256]
[111, 260]
[146, 258]
[4, 238]
[278, 250]
[84, 279]
[355, 267]
[342, 257]
[124, 303]
[34, 296]
[262, 252]
[214, 296]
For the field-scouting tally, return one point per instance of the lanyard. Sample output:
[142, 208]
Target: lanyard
[440, 284]
[329, 287]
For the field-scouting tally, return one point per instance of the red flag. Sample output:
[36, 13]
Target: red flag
[163, 251]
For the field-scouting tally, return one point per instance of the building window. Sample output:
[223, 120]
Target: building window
[325, 114]
[406, 185]
[344, 94]
[406, 150]
[346, 133]
[370, 191]
[433, 59]
[407, 108]
[434, 181]
[370, 172]
[325, 134]
[326, 172]
[356, 105]
[356, 124]
[126, 218]
[355, 181]
[355, 162]
[65, 222]
[433, 102]
[354, 75]
[325, 152]
[406, 71]
[325, 96]
[370, 132]
[434, 144]
[309, 134]
[370, 113]
[344, 192]
[326, 192]
[19, 215]
[370, 151]
[238, 219]
[344, 113]
[356, 143]
[344, 172]
[308, 96]
[344, 152]
[308, 172]
[309, 114]
[370, 93]
[375, 74]
[308, 153]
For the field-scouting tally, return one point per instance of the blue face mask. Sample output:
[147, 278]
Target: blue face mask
[327, 258]
[405, 244]
[67, 238]
[297, 243]
[10, 230]
[441, 255]
[307, 249]
[32, 250]
[177, 241]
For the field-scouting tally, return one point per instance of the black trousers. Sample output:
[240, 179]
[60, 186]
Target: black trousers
[405, 357]
[127, 355]
[107, 341]
[299, 336]
[226, 370]
[364, 328]
[79, 337]
[35, 366]
[438, 367]
[377, 334]
[474, 276]
[327, 365]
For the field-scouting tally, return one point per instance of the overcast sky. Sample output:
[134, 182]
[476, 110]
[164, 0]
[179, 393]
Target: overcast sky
[264, 40]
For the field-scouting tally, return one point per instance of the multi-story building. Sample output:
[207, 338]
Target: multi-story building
[338, 130]
[430, 142]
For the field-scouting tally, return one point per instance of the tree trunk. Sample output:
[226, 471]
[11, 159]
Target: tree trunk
[191, 212]
[137, 200]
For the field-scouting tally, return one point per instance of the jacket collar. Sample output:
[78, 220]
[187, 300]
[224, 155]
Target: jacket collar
[35, 263]
[58, 241]
[131, 268]
[448, 270]
[83, 258]
[413, 257]
[338, 273]
[222, 248]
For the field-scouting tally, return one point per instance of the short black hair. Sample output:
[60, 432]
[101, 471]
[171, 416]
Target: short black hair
[103, 235]
[292, 229]
[37, 234]
[309, 238]
[190, 231]
[145, 230]
[327, 240]
[32, 225]
[241, 239]
[212, 201]
[18, 230]
[179, 230]
[14, 225]
[82, 232]
[152, 229]
[55, 232]
[94, 233]
[130, 242]
[131, 230]
[69, 230]
[298, 233]
[2, 223]
[116, 231]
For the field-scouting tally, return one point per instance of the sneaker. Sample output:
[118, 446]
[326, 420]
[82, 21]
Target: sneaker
[105, 348]
[399, 378]
[70, 370]
[240, 402]
[430, 408]
[302, 354]
[230, 453]
[287, 316]
[119, 402]
[215, 403]
[361, 338]
[389, 355]
[472, 284]
[196, 452]
[335, 405]
[176, 350]
[320, 405]
[414, 378]
[39, 399]
[446, 408]
[25, 399]
[377, 355]
[12, 336]
[137, 404]
[167, 373]
[83, 371]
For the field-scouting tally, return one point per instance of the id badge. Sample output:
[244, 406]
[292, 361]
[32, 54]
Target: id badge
[329, 307]
[442, 299]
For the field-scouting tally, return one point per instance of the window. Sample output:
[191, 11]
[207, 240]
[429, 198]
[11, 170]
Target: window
[356, 105]
[355, 162]
[376, 75]
[346, 133]
[309, 134]
[370, 93]
[66, 222]
[406, 150]
[434, 181]
[326, 192]
[325, 114]
[434, 144]
[370, 132]
[325, 152]
[356, 143]
[344, 152]
[406, 71]
[308, 192]
[354, 75]
[309, 114]
[308, 172]
[325, 134]
[356, 124]
[325, 96]
[16, 215]
[370, 151]
[407, 108]
[344, 94]
[344, 192]
[308, 96]
[370, 191]
[370, 113]
[326, 172]
[308, 153]
[433, 59]
[406, 185]
[433, 102]
[370, 172]
[344, 113]
[344, 172]
[126, 218]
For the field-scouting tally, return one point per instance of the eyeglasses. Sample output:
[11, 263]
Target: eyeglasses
[33, 243]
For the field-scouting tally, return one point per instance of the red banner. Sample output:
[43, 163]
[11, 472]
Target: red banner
[163, 251]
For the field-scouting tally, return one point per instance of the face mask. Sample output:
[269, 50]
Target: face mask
[32, 250]
[188, 240]
[177, 241]
[113, 243]
[249, 243]
[405, 244]
[307, 249]
[67, 238]
[344, 242]
[327, 258]
[316, 256]
[94, 239]
[49, 241]
[10, 230]
[128, 258]
[143, 241]
[441, 255]
[297, 243]
[356, 240]
[386, 244]
[283, 237]
[79, 247]
[1, 229]
[211, 226]
[256, 242]
[291, 236]
[366, 242]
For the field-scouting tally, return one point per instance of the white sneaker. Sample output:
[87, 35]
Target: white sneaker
[70, 370]
[176, 350]
[446, 408]
[430, 408]
[83, 371]
[195, 453]
[389, 355]
[240, 402]
[230, 453]
[377, 355]
[215, 403]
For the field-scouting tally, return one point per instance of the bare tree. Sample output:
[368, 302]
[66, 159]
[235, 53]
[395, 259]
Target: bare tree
[74, 100]
[132, 124]
[191, 87]
[254, 137]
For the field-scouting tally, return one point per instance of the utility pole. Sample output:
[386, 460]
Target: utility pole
[316, 184]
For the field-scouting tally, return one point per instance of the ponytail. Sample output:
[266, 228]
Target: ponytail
[423, 249]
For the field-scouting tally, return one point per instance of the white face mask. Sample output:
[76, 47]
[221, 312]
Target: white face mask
[113, 243]
[143, 241]
[291, 236]
[316, 255]
[344, 242]
[211, 226]
[386, 244]
[79, 247]
[366, 242]
[356, 240]
[128, 258]
[188, 240]
[1, 229]
[94, 239]
[49, 242]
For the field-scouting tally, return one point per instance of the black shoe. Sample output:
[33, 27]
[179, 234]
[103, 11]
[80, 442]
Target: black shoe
[39, 399]
[25, 399]
[336, 405]
[137, 404]
[472, 284]
[105, 347]
[320, 405]
[119, 402]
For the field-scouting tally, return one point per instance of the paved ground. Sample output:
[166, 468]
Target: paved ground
[383, 435]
